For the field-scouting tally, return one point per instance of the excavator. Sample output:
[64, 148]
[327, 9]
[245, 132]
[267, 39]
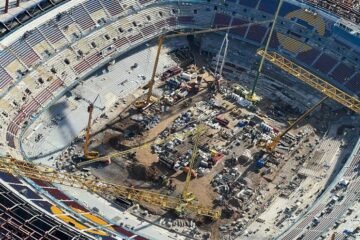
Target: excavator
[140, 104]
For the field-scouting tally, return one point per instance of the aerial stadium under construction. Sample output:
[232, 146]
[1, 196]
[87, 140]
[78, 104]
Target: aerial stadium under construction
[207, 119]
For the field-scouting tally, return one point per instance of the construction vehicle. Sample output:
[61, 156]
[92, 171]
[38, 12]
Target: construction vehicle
[272, 145]
[88, 155]
[140, 104]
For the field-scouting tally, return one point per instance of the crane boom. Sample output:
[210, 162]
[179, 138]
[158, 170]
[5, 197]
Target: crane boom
[186, 195]
[312, 80]
[39, 172]
[270, 147]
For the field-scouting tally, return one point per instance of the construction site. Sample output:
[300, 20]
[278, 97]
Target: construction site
[199, 139]
[193, 134]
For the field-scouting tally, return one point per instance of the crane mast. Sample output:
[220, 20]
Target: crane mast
[186, 195]
[89, 154]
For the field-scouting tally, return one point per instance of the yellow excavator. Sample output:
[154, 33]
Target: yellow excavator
[140, 104]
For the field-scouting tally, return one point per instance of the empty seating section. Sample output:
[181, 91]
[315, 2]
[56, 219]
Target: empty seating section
[75, 205]
[31, 107]
[268, 6]
[92, 6]
[57, 194]
[120, 42]
[96, 11]
[9, 178]
[33, 38]
[40, 224]
[10, 140]
[135, 38]
[18, 16]
[290, 44]
[82, 18]
[241, 31]
[5, 78]
[113, 7]
[94, 59]
[81, 67]
[249, 3]
[186, 20]
[341, 45]
[354, 84]
[63, 20]
[6, 57]
[27, 192]
[20, 220]
[308, 57]
[28, 109]
[342, 72]
[25, 53]
[43, 204]
[324, 63]
[307, 19]
[148, 30]
[221, 20]
[171, 21]
[51, 32]
[160, 24]
[256, 33]
[287, 8]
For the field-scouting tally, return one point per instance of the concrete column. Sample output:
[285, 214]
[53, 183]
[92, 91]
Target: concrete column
[7, 6]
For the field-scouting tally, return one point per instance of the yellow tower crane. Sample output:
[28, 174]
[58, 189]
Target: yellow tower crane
[143, 103]
[186, 195]
[89, 154]
[311, 79]
[314, 81]
[43, 173]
